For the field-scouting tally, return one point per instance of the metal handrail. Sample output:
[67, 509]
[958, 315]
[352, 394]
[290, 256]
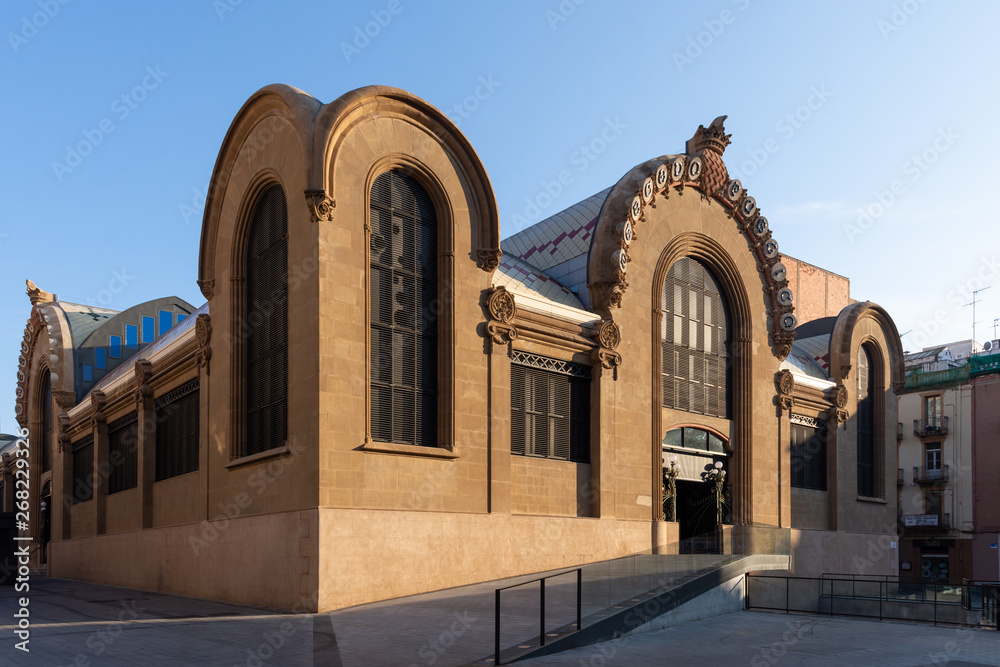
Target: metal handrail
[541, 598]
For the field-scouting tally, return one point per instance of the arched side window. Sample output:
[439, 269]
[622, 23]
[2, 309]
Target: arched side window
[867, 450]
[695, 335]
[46, 399]
[404, 312]
[265, 315]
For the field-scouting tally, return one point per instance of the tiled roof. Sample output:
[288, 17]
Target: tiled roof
[816, 350]
[84, 320]
[560, 237]
[519, 277]
[128, 366]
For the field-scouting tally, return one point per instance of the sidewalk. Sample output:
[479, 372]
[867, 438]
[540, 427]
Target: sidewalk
[75, 623]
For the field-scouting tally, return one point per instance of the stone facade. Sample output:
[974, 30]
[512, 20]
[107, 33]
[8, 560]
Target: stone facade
[335, 517]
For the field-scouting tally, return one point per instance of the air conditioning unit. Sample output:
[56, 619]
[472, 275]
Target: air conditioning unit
[988, 346]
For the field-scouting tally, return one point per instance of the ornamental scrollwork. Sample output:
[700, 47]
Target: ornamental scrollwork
[320, 205]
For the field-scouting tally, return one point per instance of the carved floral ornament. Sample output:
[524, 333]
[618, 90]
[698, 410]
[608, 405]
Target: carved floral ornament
[707, 173]
[838, 413]
[489, 258]
[785, 382]
[501, 310]
[320, 205]
[203, 333]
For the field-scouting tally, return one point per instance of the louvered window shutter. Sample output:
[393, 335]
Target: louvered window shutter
[550, 408]
[123, 453]
[46, 422]
[404, 306]
[83, 469]
[694, 340]
[177, 421]
[866, 426]
[266, 323]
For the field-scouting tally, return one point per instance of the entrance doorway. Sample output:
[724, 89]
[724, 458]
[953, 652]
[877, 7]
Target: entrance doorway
[695, 508]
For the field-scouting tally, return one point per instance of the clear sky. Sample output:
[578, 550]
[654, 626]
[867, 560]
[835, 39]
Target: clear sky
[864, 130]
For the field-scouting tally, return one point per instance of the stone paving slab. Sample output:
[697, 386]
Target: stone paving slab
[82, 624]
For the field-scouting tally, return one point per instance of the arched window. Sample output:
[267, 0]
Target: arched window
[867, 459]
[695, 335]
[404, 312]
[265, 320]
[46, 398]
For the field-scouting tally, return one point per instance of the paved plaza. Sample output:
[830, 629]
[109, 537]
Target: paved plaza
[82, 624]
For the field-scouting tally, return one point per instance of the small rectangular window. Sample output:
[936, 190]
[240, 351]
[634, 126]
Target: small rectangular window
[88, 373]
[83, 470]
[148, 329]
[180, 317]
[550, 408]
[166, 321]
[177, 415]
[809, 454]
[131, 336]
[115, 346]
[101, 358]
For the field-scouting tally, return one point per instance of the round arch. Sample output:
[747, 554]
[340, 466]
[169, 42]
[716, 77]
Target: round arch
[710, 253]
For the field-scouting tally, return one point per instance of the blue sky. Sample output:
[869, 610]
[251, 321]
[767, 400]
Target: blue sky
[863, 129]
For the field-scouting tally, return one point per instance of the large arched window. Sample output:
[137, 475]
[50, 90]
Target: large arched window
[46, 399]
[867, 454]
[404, 312]
[265, 319]
[695, 336]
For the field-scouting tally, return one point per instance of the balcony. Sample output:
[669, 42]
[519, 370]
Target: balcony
[922, 475]
[899, 480]
[927, 521]
[924, 428]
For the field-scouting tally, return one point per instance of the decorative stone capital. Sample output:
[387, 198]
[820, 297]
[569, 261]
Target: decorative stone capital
[838, 413]
[782, 343]
[489, 258]
[97, 402]
[64, 399]
[785, 382]
[207, 288]
[63, 431]
[320, 205]
[499, 304]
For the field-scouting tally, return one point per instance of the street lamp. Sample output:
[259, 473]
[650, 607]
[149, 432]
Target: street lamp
[717, 476]
[671, 475]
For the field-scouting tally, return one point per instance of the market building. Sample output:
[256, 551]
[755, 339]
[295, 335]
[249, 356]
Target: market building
[379, 397]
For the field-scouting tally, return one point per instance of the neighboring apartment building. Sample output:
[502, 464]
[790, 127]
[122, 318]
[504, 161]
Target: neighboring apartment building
[379, 398]
[946, 495]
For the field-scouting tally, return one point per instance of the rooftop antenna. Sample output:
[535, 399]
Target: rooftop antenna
[975, 300]
[995, 320]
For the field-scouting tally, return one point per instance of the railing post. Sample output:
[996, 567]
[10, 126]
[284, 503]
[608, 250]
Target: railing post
[541, 615]
[786, 594]
[579, 599]
[496, 647]
[880, 600]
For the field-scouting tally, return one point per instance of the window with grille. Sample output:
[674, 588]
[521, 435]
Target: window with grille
[177, 414]
[46, 422]
[123, 453]
[404, 309]
[265, 322]
[866, 426]
[550, 408]
[694, 338]
[809, 454]
[83, 470]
